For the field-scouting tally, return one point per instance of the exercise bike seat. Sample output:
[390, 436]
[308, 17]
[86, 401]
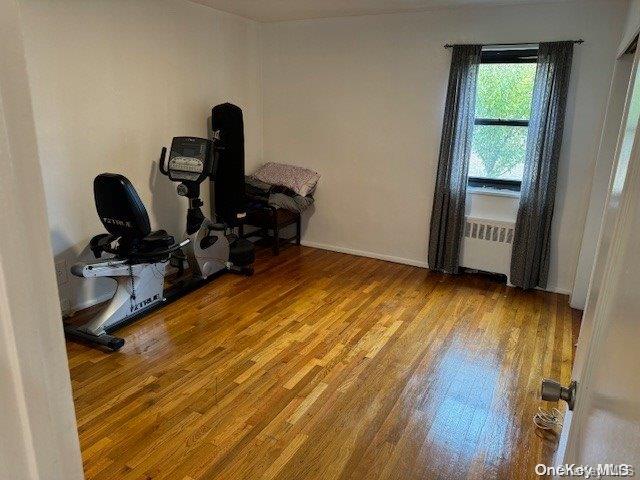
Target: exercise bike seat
[158, 239]
[125, 218]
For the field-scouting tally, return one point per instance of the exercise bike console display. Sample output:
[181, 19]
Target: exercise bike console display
[190, 159]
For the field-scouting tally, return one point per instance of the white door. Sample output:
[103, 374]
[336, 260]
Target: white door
[604, 427]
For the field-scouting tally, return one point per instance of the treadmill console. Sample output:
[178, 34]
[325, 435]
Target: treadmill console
[190, 159]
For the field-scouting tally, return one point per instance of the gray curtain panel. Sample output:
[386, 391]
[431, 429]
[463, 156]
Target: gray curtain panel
[447, 216]
[532, 239]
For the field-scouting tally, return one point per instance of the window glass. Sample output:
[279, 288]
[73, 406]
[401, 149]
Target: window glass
[504, 90]
[503, 108]
[498, 152]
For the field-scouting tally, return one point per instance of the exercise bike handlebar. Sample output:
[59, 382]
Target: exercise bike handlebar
[163, 157]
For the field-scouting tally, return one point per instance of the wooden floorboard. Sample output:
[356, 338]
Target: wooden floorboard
[327, 366]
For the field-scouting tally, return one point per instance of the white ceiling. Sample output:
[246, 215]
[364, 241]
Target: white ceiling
[277, 10]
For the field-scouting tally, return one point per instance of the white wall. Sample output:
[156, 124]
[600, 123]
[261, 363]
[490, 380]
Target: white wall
[38, 434]
[600, 181]
[113, 81]
[605, 158]
[631, 25]
[501, 206]
[361, 100]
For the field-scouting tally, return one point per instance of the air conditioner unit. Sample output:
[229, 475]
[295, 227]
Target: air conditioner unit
[487, 245]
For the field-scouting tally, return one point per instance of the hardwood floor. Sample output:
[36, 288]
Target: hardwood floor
[327, 366]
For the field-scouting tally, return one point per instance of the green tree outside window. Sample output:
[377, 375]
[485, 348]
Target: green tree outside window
[504, 91]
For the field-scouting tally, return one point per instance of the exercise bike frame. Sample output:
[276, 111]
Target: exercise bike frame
[122, 308]
[210, 248]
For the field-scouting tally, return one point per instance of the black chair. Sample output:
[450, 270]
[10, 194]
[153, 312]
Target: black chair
[270, 222]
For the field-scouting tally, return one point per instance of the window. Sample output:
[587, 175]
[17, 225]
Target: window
[503, 108]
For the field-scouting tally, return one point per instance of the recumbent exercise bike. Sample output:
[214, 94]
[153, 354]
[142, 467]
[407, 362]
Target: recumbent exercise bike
[140, 256]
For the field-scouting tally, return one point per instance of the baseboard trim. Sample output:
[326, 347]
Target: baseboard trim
[558, 290]
[364, 253]
[401, 260]
[577, 306]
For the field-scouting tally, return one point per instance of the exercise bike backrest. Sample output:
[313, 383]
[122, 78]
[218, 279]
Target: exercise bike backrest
[119, 207]
[126, 219]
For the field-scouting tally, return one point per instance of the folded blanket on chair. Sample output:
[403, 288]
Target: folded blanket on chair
[276, 196]
[295, 203]
[256, 189]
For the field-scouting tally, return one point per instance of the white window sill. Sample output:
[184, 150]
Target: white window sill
[494, 192]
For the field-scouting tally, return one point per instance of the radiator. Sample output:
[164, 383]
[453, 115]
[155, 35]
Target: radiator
[486, 245]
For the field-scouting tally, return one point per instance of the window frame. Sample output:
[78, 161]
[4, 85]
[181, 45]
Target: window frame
[498, 56]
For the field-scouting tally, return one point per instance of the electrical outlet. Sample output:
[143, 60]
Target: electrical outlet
[61, 272]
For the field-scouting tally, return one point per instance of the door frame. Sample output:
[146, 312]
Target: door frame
[594, 325]
[39, 433]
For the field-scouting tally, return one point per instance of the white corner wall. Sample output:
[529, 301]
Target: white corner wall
[361, 99]
[114, 81]
[38, 432]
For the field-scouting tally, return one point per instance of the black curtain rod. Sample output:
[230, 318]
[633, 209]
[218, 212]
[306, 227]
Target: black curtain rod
[448, 45]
